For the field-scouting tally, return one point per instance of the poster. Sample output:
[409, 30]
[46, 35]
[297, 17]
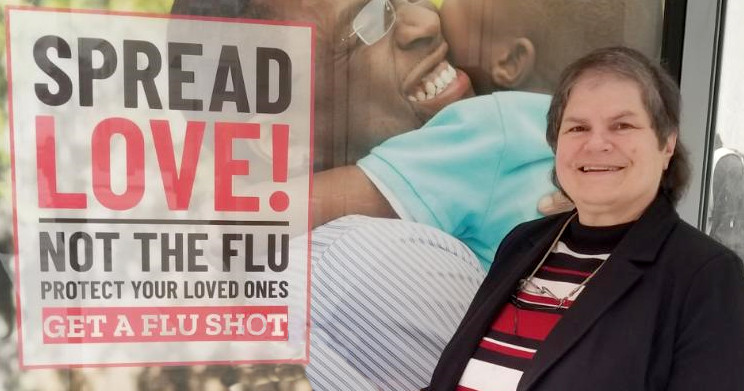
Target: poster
[154, 219]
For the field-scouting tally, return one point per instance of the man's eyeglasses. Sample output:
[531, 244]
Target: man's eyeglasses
[375, 20]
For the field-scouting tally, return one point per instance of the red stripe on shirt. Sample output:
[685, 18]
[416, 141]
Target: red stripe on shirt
[560, 270]
[530, 324]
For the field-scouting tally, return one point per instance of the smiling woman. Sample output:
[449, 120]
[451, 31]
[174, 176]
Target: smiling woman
[607, 156]
[572, 292]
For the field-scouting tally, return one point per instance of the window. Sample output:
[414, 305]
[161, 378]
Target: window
[725, 213]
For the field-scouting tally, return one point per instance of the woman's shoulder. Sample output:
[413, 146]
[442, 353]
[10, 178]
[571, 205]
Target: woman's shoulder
[662, 238]
[697, 248]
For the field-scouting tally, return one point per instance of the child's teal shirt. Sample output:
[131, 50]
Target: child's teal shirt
[475, 170]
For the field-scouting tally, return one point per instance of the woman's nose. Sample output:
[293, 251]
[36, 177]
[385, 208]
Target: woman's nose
[598, 141]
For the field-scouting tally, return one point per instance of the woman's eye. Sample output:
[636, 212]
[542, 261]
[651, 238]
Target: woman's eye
[574, 129]
[622, 125]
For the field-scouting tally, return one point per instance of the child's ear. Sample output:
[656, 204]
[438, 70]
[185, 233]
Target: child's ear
[512, 63]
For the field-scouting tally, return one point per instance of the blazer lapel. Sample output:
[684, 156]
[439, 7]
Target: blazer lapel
[616, 277]
[622, 270]
[499, 288]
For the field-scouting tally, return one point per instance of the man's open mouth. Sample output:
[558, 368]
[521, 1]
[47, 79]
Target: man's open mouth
[433, 83]
[440, 85]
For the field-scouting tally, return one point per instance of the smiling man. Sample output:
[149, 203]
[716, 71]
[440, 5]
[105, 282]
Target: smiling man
[369, 92]
[380, 67]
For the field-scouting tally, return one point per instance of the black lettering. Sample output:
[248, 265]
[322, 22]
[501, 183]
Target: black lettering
[261, 288]
[249, 266]
[64, 84]
[167, 252]
[283, 288]
[194, 252]
[229, 63]
[57, 251]
[146, 76]
[227, 250]
[145, 237]
[177, 76]
[107, 237]
[263, 56]
[87, 241]
[278, 267]
[86, 72]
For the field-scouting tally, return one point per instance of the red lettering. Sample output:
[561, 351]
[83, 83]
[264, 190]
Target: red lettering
[135, 158]
[46, 169]
[279, 200]
[280, 151]
[178, 178]
[225, 167]
[177, 186]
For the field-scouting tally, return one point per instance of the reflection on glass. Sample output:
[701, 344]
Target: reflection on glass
[725, 213]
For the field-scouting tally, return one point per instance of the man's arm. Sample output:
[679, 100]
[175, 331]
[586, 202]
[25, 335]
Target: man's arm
[346, 190]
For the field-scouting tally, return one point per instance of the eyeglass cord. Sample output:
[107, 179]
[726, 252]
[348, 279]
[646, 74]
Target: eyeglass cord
[542, 289]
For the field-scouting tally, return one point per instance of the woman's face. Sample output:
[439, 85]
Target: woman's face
[608, 158]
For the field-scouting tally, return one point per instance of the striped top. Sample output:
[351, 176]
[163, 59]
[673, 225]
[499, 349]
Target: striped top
[516, 333]
[387, 295]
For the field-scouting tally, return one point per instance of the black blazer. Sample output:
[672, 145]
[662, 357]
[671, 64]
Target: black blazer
[666, 312]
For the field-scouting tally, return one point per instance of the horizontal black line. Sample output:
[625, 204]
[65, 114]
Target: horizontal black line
[263, 223]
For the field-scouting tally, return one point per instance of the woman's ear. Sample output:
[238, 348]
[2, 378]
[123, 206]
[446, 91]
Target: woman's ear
[668, 148]
[512, 62]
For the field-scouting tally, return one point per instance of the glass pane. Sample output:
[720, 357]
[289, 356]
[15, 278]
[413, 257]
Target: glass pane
[380, 315]
[725, 217]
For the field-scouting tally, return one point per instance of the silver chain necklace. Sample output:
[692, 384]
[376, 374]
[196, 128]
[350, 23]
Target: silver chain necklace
[529, 286]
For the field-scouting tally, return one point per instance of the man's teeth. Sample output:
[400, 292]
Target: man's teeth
[430, 89]
[434, 83]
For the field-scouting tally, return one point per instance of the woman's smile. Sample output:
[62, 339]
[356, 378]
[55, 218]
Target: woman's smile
[608, 158]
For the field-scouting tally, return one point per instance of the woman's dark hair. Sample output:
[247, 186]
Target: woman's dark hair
[660, 95]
